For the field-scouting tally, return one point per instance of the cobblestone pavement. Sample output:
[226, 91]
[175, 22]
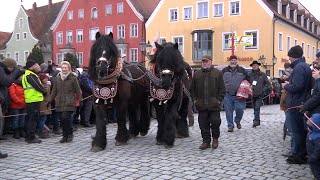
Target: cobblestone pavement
[247, 153]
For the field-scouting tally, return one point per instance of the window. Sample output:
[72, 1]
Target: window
[312, 27]
[80, 57]
[26, 54]
[255, 40]
[81, 13]
[24, 35]
[179, 40]
[8, 55]
[121, 31]
[59, 58]
[302, 46]
[59, 37]
[134, 55]
[187, 13]
[120, 8]
[20, 23]
[1, 56]
[280, 42]
[302, 20]
[133, 30]
[218, 10]
[18, 36]
[202, 9]
[16, 56]
[279, 6]
[308, 24]
[235, 8]
[123, 51]
[308, 50]
[295, 42]
[288, 11]
[227, 40]
[202, 44]
[288, 43]
[79, 35]
[109, 29]
[109, 9]
[173, 15]
[70, 15]
[92, 35]
[69, 37]
[94, 13]
[295, 16]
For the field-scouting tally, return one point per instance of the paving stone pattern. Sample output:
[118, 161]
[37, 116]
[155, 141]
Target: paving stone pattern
[248, 153]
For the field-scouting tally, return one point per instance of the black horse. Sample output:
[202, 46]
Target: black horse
[121, 84]
[167, 91]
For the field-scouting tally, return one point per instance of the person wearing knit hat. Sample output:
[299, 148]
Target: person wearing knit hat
[9, 63]
[295, 52]
[34, 95]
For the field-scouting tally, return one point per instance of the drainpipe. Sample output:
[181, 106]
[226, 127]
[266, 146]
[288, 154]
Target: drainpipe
[274, 19]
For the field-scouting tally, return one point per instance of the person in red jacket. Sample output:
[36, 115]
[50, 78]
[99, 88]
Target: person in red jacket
[17, 106]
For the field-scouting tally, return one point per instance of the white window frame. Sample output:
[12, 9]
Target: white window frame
[252, 47]
[308, 50]
[223, 41]
[24, 35]
[172, 16]
[288, 43]
[123, 51]
[288, 11]
[20, 23]
[18, 37]
[295, 14]
[134, 57]
[59, 60]
[69, 36]
[92, 36]
[78, 55]
[120, 8]
[280, 41]
[70, 15]
[312, 27]
[214, 11]
[279, 6]
[197, 10]
[230, 8]
[107, 9]
[308, 24]
[94, 12]
[302, 20]
[108, 27]
[120, 35]
[26, 57]
[134, 30]
[78, 40]
[16, 56]
[57, 34]
[191, 12]
[81, 14]
[302, 46]
[296, 42]
[181, 44]
[8, 54]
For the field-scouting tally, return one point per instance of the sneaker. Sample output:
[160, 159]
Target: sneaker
[230, 129]
[238, 125]
[215, 143]
[256, 123]
[296, 160]
[204, 146]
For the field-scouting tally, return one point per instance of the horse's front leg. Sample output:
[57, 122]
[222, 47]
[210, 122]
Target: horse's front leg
[100, 140]
[161, 120]
[122, 136]
[171, 115]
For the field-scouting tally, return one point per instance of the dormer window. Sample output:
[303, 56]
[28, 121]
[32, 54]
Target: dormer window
[295, 16]
[279, 7]
[308, 24]
[318, 30]
[312, 26]
[302, 20]
[288, 11]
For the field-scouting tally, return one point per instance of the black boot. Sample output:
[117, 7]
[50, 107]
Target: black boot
[16, 133]
[22, 133]
[3, 155]
[70, 138]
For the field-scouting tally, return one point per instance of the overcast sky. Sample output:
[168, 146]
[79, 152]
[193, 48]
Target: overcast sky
[9, 10]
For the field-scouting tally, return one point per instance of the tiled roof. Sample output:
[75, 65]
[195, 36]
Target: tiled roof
[42, 18]
[4, 38]
[145, 7]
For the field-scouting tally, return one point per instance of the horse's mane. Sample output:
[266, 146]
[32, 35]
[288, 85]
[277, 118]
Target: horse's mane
[102, 43]
[168, 56]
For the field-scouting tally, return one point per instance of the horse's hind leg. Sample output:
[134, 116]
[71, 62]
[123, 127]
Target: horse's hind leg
[182, 124]
[144, 122]
[122, 136]
[100, 140]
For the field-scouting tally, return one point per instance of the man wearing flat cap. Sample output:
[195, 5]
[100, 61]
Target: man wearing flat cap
[299, 88]
[34, 94]
[207, 90]
[261, 86]
[233, 75]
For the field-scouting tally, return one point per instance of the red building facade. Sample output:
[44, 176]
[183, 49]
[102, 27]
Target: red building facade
[78, 21]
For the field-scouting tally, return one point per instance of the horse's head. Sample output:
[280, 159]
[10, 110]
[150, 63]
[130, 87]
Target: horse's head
[104, 56]
[169, 63]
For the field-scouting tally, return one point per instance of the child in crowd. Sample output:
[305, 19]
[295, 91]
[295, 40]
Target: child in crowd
[313, 145]
[17, 106]
[44, 109]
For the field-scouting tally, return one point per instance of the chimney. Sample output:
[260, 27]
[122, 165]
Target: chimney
[50, 4]
[34, 6]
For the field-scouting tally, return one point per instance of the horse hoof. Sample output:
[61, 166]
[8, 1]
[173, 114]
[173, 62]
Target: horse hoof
[179, 136]
[168, 146]
[132, 136]
[159, 143]
[118, 143]
[96, 149]
[143, 133]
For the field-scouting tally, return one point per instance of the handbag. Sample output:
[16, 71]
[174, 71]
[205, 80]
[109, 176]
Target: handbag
[244, 91]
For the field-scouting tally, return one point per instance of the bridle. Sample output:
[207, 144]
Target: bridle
[102, 59]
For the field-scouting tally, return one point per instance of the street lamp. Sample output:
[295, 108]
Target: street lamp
[145, 48]
[262, 59]
[274, 61]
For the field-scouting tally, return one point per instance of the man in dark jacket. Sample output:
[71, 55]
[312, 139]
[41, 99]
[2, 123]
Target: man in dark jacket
[298, 88]
[86, 86]
[33, 93]
[208, 90]
[8, 74]
[261, 86]
[233, 76]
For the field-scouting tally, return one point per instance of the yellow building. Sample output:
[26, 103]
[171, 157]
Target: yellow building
[205, 27]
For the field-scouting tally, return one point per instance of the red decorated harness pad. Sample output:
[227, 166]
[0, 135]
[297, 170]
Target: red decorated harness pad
[159, 93]
[105, 91]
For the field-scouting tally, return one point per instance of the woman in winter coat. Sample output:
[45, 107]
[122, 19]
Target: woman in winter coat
[64, 92]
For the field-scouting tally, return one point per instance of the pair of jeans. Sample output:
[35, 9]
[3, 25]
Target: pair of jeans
[296, 125]
[257, 103]
[231, 103]
[85, 111]
[42, 121]
[209, 123]
[66, 122]
[18, 121]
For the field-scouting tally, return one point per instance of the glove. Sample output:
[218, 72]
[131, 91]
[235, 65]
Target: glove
[48, 104]
[81, 104]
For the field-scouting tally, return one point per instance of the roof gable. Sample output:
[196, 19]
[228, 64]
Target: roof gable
[145, 7]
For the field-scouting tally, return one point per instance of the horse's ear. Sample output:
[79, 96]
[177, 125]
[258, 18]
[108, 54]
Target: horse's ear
[158, 46]
[98, 35]
[176, 46]
[110, 35]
